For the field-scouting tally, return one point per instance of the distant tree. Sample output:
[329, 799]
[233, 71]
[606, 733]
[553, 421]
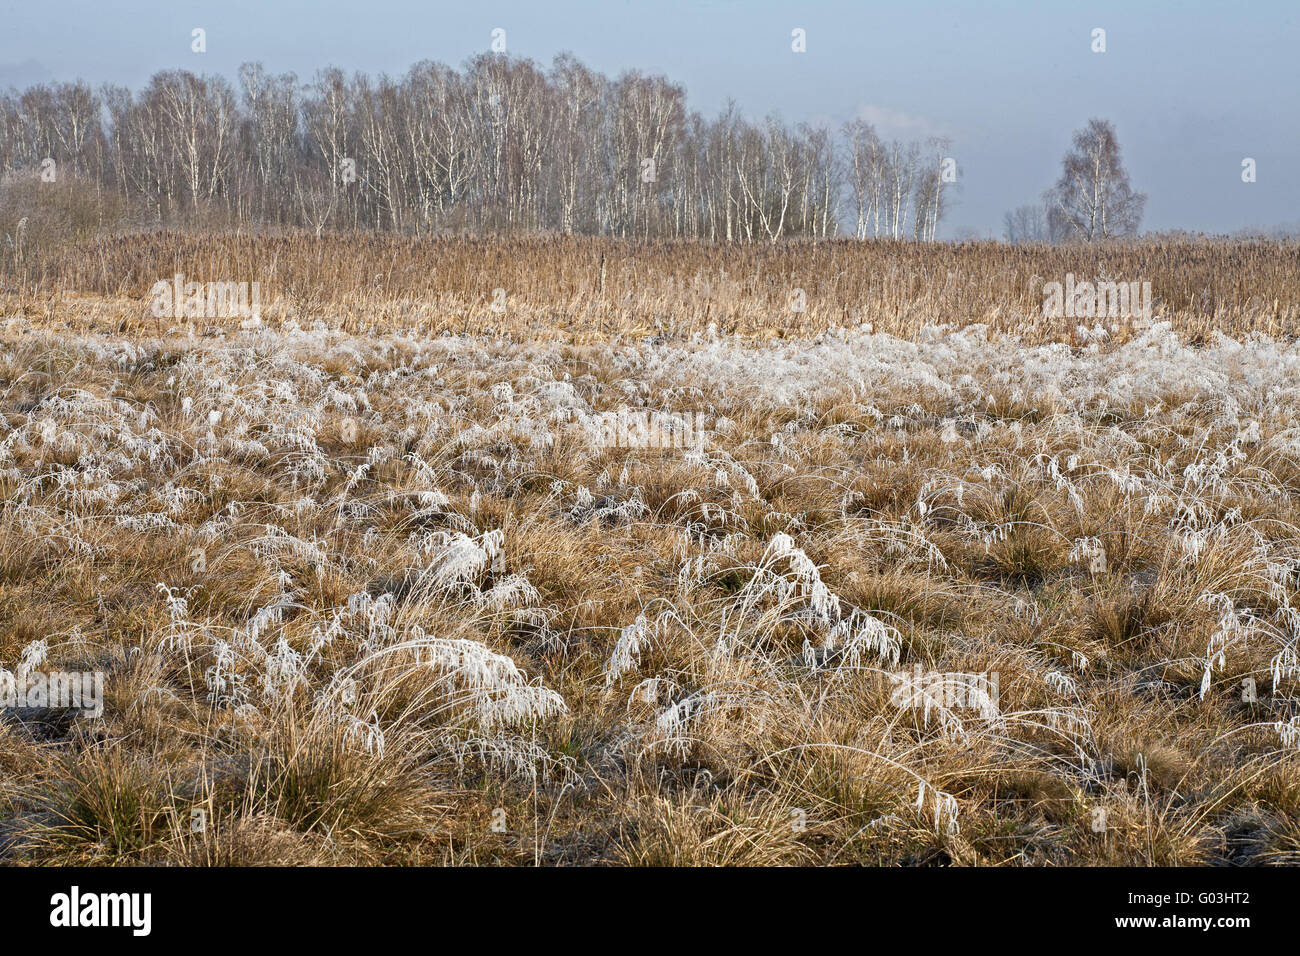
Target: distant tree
[1093, 199]
[865, 167]
[1021, 224]
[1026, 224]
[930, 201]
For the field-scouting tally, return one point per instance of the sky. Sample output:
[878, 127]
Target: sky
[1193, 88]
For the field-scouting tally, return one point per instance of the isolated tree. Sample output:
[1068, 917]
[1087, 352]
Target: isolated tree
[1093, 199]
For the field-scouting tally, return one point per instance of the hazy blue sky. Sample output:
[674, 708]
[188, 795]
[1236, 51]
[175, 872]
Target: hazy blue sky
[1193, 87]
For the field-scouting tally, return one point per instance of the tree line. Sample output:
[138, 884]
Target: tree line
[501, 145]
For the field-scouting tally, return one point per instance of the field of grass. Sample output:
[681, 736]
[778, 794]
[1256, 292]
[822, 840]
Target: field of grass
[914, 576]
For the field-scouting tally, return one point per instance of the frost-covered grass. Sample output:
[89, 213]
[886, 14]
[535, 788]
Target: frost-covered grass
[395, 599]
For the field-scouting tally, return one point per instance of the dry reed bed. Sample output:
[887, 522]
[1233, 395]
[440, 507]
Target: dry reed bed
[587, 290]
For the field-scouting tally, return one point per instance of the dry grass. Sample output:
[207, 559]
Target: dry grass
[590, 290]
[391, 597]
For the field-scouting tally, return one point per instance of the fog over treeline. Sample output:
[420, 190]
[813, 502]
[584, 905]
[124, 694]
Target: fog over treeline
[501, 145]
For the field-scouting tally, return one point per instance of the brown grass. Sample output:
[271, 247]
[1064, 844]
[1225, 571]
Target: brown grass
[588, 290]
[945, 490]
